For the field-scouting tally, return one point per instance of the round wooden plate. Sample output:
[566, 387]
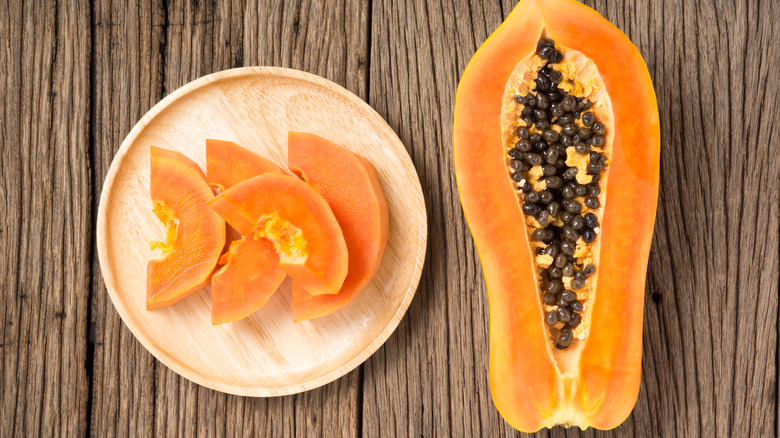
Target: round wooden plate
[266, 354]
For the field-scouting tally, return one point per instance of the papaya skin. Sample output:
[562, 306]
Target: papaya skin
[351, 186]
[527, 387]
[195, 236]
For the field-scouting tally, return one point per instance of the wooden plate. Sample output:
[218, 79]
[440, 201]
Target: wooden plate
[266, 354]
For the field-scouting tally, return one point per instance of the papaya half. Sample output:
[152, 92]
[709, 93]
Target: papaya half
[195, 235]
[556, 144]
[298, 222]
[350, 185]
[251, 272]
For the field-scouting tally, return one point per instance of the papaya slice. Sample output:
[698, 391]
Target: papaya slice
[251, 272]
[249, 278]
[350, 185]
[173, 155]
[228, 164]
[299, 223]
[556, 127]
[195, 235]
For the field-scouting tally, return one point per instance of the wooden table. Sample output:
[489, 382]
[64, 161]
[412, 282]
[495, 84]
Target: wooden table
[75, 76]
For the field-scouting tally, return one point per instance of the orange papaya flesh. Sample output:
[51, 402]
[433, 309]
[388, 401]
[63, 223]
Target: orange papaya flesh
[195, 235]
[228, 163]
[299, 223]
[595, 381]
[173, 155]
[246, 282]
[350, 185]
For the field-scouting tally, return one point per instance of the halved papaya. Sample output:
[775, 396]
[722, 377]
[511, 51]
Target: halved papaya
[249, 278]
[556, 127]
[350, 185]
[228, 163]
[299, 223]
[195, 234]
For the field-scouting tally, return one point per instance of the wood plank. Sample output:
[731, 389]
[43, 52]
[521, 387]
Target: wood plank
[167, 45]
[430, 378]
[711, 313]
[45, 210]
[710, 343]
[128, 40]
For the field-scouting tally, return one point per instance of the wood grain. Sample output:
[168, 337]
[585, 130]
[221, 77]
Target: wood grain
[431, 377]
[127, 68]
[45, 230]
[711, 315]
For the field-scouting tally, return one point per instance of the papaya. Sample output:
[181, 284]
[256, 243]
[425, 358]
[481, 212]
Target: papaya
[350, 185]
[157, 152]
[248, 279]
[251, 272]
[556, 144]
[228, 163]
[195, 235]
[298, 222]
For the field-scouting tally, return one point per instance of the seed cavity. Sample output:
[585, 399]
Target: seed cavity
[288, 240]
[558, 162]
[165, 215]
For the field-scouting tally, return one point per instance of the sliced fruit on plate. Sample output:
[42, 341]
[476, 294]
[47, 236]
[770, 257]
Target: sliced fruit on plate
[299, 223]
[249, 278]
[195, 235]
[350, 185]
[228, 164]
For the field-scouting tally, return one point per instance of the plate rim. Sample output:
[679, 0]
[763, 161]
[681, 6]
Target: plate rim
[176, 365]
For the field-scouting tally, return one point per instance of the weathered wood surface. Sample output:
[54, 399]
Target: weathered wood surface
[75, 77]
[46, 221]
